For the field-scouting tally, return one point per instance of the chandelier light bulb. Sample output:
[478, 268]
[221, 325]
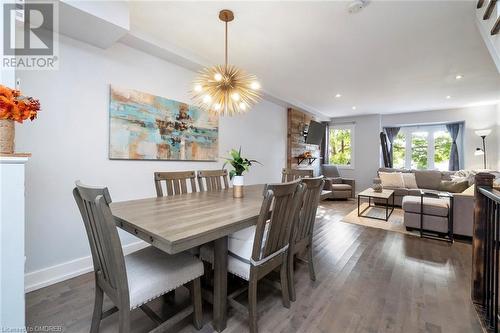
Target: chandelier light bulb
[207, 99]
[255, 85]
[217, 107]
[235, 97]
[218, 77]
[198, 88]
[243, 106]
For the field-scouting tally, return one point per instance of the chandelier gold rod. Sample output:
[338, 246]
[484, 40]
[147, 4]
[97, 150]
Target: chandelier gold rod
[225, 58]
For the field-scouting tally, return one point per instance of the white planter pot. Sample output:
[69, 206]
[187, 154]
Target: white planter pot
[238, 181]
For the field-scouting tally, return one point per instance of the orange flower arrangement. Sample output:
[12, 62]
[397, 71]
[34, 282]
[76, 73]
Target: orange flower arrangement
[14, 106]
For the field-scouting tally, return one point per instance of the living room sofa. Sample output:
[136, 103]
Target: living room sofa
[431, 181]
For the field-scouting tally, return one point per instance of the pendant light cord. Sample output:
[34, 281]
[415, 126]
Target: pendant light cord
[225, 59]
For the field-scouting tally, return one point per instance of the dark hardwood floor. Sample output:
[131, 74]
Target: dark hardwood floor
[368, 280]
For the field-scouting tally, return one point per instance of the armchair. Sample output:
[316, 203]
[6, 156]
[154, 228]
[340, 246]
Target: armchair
[342, 188]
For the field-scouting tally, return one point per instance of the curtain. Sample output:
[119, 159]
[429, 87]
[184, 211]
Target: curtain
[324, 144]
[391, 133]
[453, 129]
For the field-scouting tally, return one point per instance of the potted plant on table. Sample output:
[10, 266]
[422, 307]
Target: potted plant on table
[240, 165]
[14, 107]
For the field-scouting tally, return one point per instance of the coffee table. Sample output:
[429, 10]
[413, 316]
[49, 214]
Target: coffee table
[371, 194]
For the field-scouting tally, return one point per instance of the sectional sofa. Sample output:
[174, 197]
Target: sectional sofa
[433, 181]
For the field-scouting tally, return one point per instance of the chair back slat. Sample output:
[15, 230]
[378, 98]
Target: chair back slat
[289, 175]
[176, 182]
[102, 233]
[305, 223]
[213, 180]
[285, 199]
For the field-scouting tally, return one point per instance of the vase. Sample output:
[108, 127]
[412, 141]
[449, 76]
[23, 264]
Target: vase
[377, 188]
[238, 186]
[7, 134]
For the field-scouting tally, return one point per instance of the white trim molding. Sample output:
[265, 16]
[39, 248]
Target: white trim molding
[67, 270]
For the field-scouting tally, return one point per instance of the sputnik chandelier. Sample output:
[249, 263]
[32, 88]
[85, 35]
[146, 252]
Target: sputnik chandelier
[225, 89]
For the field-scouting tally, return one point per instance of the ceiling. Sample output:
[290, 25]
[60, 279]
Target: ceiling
[393, 56]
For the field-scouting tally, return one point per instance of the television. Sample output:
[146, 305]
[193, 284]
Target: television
[315, 133]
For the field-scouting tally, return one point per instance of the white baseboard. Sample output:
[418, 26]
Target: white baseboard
[57, 273]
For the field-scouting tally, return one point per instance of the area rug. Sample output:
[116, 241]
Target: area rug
[395, 223]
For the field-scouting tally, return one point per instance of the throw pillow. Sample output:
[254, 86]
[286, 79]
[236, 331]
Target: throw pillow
[391, 179]
[428, 179]
[453, 186]
[409, 180]
[336, 180]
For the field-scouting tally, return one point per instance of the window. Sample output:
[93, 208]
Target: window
[399, 150]
[423, 147]
[341, 145]
[442, 150]
[419, 147]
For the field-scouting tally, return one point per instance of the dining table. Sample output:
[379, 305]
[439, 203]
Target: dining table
[181, 222]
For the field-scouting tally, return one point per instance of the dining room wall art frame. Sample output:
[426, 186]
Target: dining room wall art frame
[143, 126]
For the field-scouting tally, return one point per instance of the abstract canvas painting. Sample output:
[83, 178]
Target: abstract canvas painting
[148, 127]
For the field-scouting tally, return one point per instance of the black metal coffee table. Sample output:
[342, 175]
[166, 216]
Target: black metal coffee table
[371, 194]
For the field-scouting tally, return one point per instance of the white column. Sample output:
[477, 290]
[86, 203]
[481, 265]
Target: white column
[12, 258]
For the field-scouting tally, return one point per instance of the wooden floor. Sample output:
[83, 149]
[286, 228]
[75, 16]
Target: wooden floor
[368, 280]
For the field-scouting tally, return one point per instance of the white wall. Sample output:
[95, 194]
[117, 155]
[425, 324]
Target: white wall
[366, 149]
[367, 141]
[69, 141]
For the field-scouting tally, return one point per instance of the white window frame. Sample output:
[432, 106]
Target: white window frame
[430, 129]
[351, 127]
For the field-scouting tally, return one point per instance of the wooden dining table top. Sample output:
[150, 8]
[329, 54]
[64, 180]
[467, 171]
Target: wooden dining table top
[180, 222]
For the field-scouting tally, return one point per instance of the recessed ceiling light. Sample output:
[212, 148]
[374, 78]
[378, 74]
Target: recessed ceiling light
[448, 97]
[338, 96]
[354, 108]
[459, 77]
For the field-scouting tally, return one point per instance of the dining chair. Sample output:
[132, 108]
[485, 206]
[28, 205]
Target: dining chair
[132, 281]
[212, 180]
[288, 175]
[302, 235]
[256, 251]
[176, 182]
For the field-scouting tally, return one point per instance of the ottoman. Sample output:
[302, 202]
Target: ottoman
[435, 213]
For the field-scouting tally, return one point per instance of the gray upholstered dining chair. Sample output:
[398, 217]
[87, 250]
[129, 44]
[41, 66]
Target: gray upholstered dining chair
[212, 180]
[256, 251]
[288, 175]
[132, 281]
[302, 236]
[176, 182]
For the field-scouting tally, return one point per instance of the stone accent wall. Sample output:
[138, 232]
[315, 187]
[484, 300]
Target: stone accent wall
[296, 120]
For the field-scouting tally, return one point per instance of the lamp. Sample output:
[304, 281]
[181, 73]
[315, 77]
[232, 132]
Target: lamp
[483, 134]
[225, 89]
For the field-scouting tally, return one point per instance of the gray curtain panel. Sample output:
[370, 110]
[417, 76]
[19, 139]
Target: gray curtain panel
[454, 129]
[391, 133]
[324, 144]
